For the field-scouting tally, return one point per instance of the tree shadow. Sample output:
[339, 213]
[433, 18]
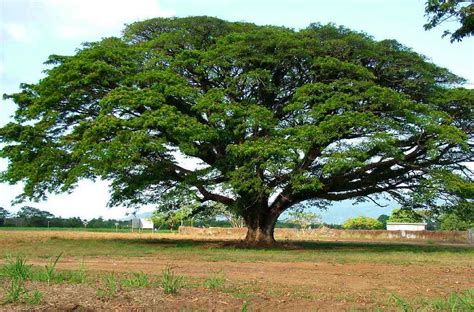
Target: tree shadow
[376, 247]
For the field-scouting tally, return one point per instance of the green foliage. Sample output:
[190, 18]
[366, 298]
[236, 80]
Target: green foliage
[323, 113]
[362, 223]
[383, 219]
[171, 283]
[405, 215]
[440, 12]
[453, 222]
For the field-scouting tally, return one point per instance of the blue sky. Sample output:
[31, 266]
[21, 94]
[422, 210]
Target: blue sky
[30, 30]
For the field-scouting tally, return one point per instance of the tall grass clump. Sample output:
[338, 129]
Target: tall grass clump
[170, 282]
[18, 272]
[50, 269]
[14, 292]
[110, 287]
[137, 280]
[16, 268]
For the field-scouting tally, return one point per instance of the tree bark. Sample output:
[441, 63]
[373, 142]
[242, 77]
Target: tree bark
[260, 228]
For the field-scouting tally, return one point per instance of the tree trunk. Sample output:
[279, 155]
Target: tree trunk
[260, 228]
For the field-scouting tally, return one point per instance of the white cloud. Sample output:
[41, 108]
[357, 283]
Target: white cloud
[16, 32]
[79, 18]
[32, 29]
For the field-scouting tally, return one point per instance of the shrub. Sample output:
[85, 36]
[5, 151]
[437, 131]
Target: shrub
[362, 223]
[452, 222]
[405, 215]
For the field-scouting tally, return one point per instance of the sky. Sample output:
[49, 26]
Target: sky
[31, 30]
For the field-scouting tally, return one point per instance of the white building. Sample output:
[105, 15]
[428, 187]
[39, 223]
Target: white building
[401, 226]
[140, 223]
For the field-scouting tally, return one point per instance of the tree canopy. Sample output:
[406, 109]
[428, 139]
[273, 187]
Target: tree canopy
[185, 111]
[441, 12]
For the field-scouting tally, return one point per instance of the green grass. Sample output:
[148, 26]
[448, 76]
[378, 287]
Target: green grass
[215, 282]
[16, 269]
[17, 272]
[137, 280]
[454, 302]
[110, 287]
[170, 282]
[50, 268]
[331, 252]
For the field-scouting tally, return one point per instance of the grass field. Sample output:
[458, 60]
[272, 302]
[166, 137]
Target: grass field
[166, 271]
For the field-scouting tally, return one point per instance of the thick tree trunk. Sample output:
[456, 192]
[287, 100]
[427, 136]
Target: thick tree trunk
[260, 228]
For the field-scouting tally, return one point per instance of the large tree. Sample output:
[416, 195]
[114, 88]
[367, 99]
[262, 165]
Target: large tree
[269, 116]
[459, 11]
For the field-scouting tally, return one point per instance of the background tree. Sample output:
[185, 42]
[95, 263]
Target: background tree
[453, 222]
[441, 12]
[405, 215]
[34, 216]
[383, 219]
[303, 219]
[362, 223]
[271, 117]
[3, 215]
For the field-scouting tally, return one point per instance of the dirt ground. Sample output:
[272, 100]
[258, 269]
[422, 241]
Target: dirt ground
[255, 285]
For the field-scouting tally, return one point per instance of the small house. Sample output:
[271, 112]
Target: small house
[405, 226]
[141, 223]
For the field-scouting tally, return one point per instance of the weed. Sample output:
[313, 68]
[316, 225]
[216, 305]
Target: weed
[79, 276]
[171, 283]
[16, 268]
[244, 307]
[110, 288]
[50, 269]
[215, 282]
[138, 280]
[15, 292]
[401, 303]
[35, 297]
[455, 302]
